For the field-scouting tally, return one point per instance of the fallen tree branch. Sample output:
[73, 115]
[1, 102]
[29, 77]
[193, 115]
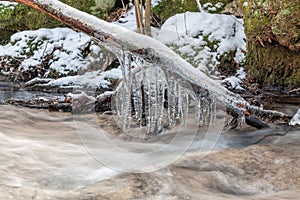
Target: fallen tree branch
[150, 50]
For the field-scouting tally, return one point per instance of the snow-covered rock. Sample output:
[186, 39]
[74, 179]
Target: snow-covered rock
[202, 38]
[63, 44]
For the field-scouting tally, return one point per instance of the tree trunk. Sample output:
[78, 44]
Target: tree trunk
[150, 50]
[148, 17]
[139, 16]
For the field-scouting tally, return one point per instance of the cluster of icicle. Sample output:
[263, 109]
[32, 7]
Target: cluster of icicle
[153, 98]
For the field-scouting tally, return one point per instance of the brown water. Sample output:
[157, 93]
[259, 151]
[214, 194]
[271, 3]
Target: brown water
[43, 157]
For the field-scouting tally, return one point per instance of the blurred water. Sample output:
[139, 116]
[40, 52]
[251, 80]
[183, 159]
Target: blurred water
[24, 95]
[42, 157]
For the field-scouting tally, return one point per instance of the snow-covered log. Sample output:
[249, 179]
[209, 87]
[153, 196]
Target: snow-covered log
[120, 40]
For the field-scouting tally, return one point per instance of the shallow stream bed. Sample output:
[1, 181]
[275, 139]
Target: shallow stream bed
[53, 155]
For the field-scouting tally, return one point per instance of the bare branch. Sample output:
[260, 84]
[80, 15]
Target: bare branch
[199, 5]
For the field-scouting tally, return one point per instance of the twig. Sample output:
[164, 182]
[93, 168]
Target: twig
[294, 90]
[45, 49]
[199, 5]
[186, 32]
[18, 59]
[123, 5]
[260, 41]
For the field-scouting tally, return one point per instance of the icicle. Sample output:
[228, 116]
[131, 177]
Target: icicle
[203, 107]
[126, 69]
[213, 109]
[184, 106]
[147, 88]
[150, 88]
[154, 83]
[137, 96]
[199, 111]
[204, 110]
[125, 92]
[172, 101]
[241, 119]
[179, 101]
[160, 87]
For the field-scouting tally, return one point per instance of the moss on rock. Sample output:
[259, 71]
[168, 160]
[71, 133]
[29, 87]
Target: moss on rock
[22, 17]
[273, 66]
[285, 25]
[276, 20]
[168, 8]
[273, 39]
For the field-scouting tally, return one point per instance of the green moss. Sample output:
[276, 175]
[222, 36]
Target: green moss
[25, 18]
[213, 45]
[276, 30]
[255, 20]
[286, 12]
[273, 66]
[227, 65]
[266, 19]
[273, 40]
[168, 8]
[5, 36]
[294, 79]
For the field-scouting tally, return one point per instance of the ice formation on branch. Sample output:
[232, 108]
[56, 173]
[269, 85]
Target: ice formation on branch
[156, 99]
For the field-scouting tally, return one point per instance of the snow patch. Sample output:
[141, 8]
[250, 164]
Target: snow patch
[128, 20]
[155, 2]
[205, 35]
[234, 82]
[106, 94]
[209, 7]
[65, 44]
[89, 79]
[8, 4]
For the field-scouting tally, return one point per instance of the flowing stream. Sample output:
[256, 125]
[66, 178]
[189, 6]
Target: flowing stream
[55, 155]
